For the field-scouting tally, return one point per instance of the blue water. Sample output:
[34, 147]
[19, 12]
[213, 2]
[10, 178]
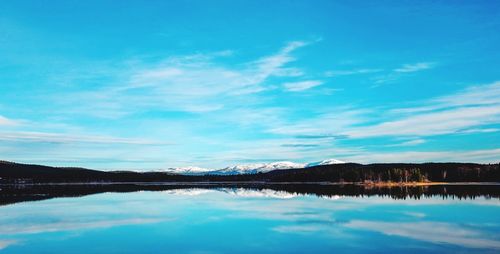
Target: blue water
[249, 221]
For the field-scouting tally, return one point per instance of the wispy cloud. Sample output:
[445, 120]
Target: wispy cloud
[433, 123]
[300, 145]
[301, 85]
[414, 67]
[335, 73]
[200, 84]
[25, 136]
[321, 136]
[197, 83]
[326, 124]
[7, 122]
[478, 130]
[476, 95]
[465, 110]
[301, 229]
[400, 72]
[488, 94]
[412, 142]
[481, 156]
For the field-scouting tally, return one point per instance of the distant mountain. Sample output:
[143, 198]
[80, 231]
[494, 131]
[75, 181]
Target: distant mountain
[254, 168]
[187, 170]
[257, 168]
[325, 162]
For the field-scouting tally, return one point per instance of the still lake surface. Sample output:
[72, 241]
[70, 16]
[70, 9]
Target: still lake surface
[247, 220]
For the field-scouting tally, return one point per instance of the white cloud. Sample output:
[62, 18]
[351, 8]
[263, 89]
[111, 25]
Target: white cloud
[479, 130]
[289, 72]
[414, 67]
[7, 122]
[197, 83]
[477, 95]
[253, 117]
[434, 123]
[397, 73]
[335, 73]
[412, 142]
[27, 136]
[468, 109]
[331, 123]
[303, 229]
[480, 156]
[293, 46]
[301, 85]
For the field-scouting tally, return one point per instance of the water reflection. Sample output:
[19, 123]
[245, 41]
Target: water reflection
[20, 193]
[235, 219]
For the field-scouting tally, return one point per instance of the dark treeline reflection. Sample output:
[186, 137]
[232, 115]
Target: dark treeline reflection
[10, 194]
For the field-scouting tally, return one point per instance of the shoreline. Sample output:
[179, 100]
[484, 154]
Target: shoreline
[379, 184]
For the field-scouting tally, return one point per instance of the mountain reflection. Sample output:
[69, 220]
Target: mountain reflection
[10, 194]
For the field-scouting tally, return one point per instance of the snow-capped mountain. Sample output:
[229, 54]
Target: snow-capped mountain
[187, 170]
[257, 168]
[325, 162]
[248, 168]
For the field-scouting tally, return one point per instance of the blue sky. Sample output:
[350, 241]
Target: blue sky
[136, 85]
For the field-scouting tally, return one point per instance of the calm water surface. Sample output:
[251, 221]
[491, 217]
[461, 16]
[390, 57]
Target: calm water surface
[237, 220]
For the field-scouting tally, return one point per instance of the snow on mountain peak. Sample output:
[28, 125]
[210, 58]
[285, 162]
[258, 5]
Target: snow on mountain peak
[258, 168]
[187, 170]
[325, 162]
[249, 168]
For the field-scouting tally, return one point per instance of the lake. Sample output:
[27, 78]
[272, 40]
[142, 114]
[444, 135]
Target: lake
[232, 219]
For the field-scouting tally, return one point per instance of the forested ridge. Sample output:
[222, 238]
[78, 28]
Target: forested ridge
[347, 173]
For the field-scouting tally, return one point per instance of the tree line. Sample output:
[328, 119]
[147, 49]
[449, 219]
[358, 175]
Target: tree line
[339, 173]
